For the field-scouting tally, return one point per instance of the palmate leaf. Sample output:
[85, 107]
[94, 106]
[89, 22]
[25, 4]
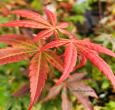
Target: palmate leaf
[78, 44]
[34, 20]
[77, 87]
[38, 74]
[91, 46]
[54, 26]
[38, 66]
[22, 47]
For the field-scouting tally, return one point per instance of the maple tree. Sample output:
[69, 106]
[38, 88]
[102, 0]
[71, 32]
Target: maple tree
[43, 52]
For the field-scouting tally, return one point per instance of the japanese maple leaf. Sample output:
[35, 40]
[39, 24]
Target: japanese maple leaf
[74, 84]
[48, 27]
[22, 48]
[85, 49]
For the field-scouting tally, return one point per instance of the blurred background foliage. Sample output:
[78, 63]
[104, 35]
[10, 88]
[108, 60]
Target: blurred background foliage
[94, 19]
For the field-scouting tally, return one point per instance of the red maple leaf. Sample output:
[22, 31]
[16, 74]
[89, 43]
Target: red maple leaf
[48, 26]
[86, 49]
[22, 48]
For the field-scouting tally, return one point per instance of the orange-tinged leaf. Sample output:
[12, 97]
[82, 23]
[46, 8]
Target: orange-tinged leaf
[70, 58]
[31, 15]
[100, 64]
[51, 17]
[24, 23]
[38, 74]
[43, 34]
[9, 55]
